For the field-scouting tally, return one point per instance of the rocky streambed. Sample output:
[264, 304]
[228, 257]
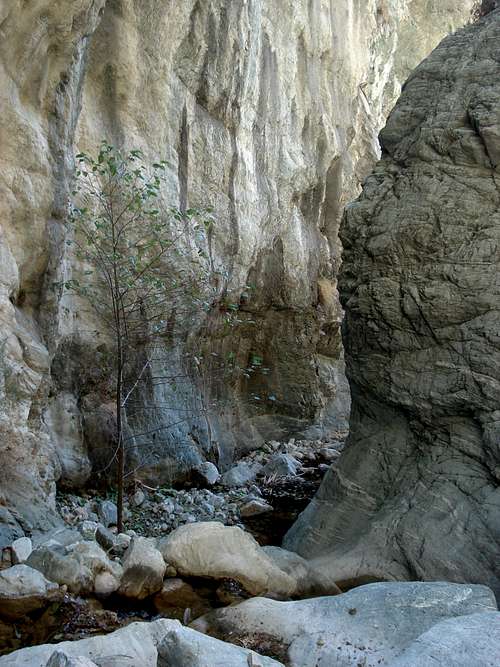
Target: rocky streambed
[189, 585]
[104, 581]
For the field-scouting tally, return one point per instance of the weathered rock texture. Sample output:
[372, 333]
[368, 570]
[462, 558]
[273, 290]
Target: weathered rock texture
[266, 110]
[417, 492]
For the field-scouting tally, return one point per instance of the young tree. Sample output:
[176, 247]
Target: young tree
[145, 269]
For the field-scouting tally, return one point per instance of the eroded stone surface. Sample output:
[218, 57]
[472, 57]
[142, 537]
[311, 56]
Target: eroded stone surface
[266, 111]
[416, 493]
[370, 625]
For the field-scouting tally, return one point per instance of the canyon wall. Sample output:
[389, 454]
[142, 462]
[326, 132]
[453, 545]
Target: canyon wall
[417, 492]
[266, 110]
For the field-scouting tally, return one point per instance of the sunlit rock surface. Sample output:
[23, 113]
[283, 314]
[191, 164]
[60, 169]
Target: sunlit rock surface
[266, 110]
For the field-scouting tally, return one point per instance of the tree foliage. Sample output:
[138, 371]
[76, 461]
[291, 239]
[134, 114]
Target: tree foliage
[145, 268]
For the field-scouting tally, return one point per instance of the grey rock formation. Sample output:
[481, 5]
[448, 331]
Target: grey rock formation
[465, 641]
[134, 645]
[80, 566]
[183, 647]
[23, 590]
[160, 643]
[416, 493]
[370, 625]
[269, 115]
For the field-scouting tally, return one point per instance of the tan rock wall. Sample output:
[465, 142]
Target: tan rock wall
[266, 110]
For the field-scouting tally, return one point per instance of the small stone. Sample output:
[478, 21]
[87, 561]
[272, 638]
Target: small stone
[255, 507]
[241, 474]
[138, 498]
[121, 543]
[88, 529]
[108, 513]
[282, 465]
[170, 571]
[329, 454]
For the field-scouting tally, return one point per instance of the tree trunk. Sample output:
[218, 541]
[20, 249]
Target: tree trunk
[119, 440]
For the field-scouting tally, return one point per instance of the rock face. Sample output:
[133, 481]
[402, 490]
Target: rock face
[266, 113]
[370, 625]
[416, 493]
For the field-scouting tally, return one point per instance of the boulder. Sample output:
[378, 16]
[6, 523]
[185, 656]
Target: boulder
[210, 549]
[281, 465]
[61, 659]
[21, 550]
[255, 507]
[464, 641]
[373, 624]
[23, 590]
[132, 646]
[183, 647]
[176, 596]
[143, 569]
[241, 474]
[108, 513]
[77, 566]
[208, 473]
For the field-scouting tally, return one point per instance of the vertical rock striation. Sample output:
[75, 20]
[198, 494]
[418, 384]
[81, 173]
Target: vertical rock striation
[266, 110]
[417, 492]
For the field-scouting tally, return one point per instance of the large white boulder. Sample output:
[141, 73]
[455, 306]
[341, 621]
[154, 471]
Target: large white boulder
[210, 549]
[22, 590]
[372, 624]
[143, 569]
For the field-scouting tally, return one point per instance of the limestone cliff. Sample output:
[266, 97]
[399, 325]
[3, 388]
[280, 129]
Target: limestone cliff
[268, 110]
[417, 493]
